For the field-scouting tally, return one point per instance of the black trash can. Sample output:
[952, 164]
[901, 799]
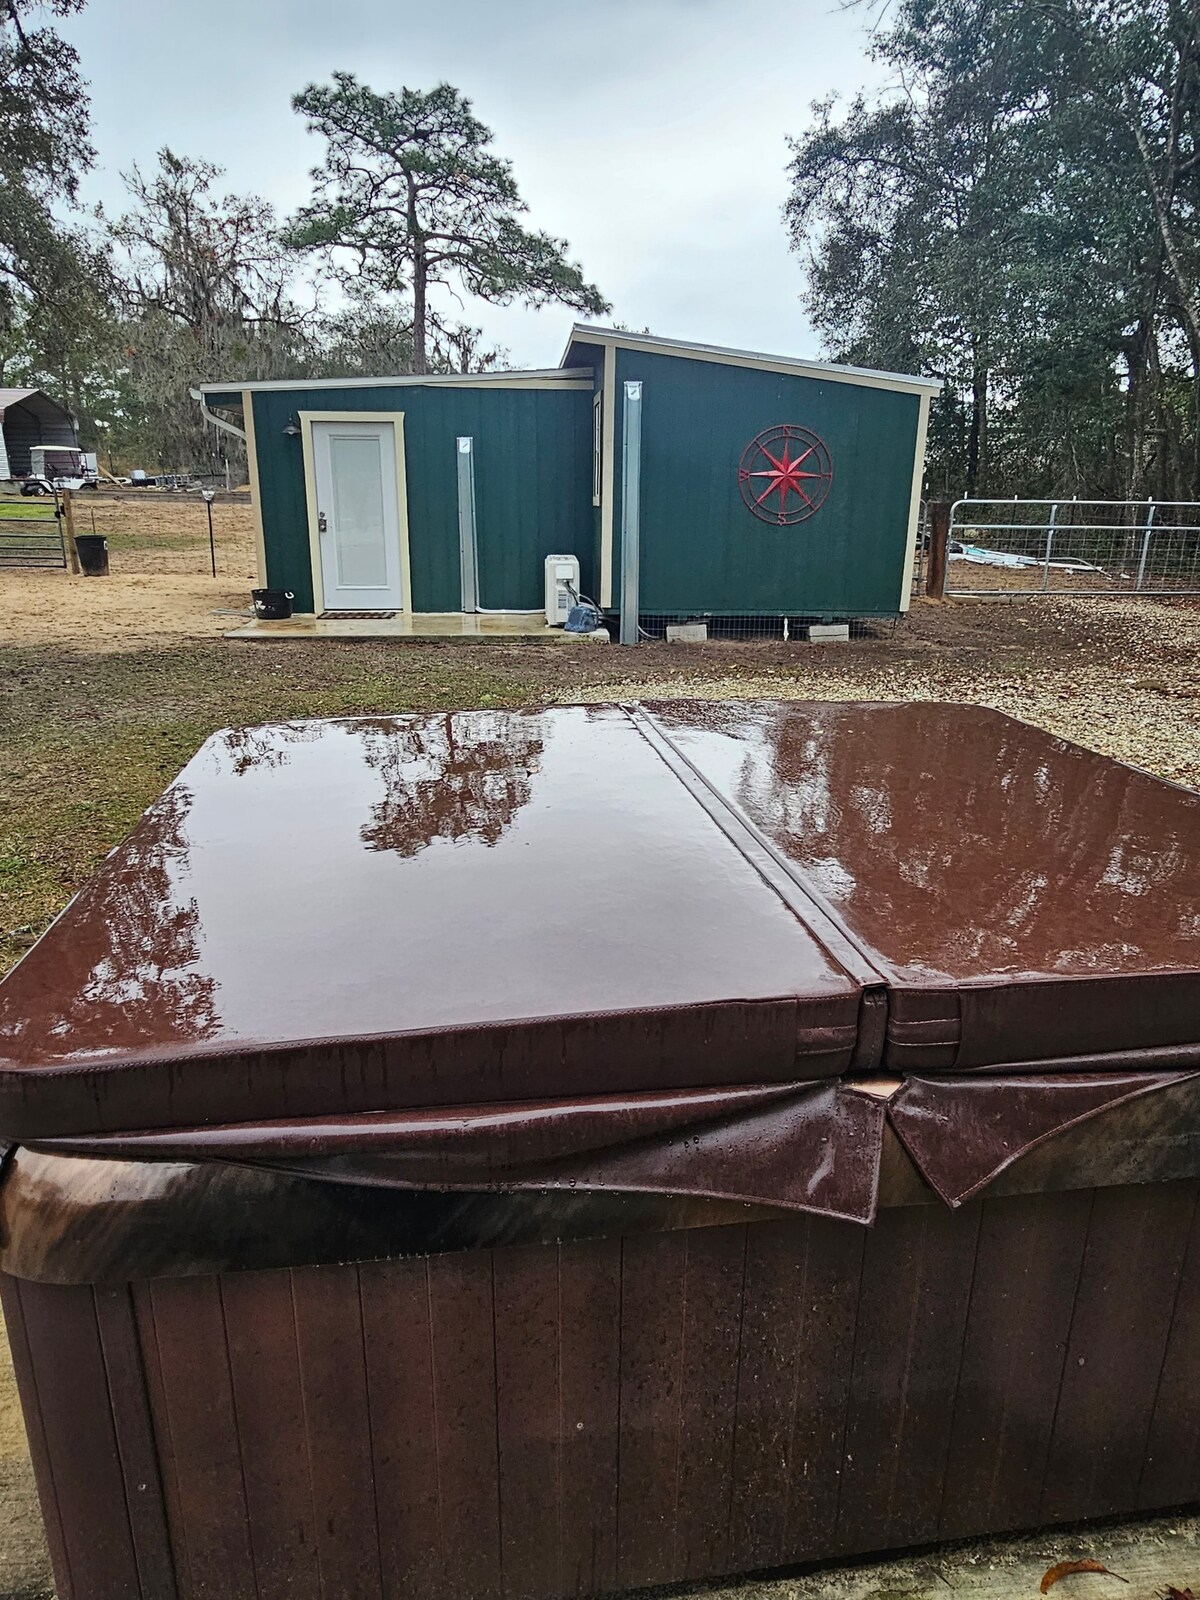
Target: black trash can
[272, 605]
[92, 549]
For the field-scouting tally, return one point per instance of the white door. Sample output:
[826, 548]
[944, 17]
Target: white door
[358, 515]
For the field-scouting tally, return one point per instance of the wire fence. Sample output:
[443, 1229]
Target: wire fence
[1087, 547]
[156, 533]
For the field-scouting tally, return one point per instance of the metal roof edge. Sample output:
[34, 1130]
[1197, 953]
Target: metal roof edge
[566, 377]
[18, 396]
[909, 383]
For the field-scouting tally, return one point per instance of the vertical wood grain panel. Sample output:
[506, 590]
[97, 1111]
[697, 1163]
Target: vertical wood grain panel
[590, 1387]
[464, 1368]
[333, 1378]
[828, 1313]
[197, 1398]
[1171, 1475]
[270, 1415]
[653, 1309]
[716, 1261]
[143, 1313]
[528, 1388]
[1122, 1317]
[916, 1283]
[44, 1465]
[1026, 1273]
[772, 1338]
[549, 1421]
[124, 1367]
[68, 1369]
[396, 1332]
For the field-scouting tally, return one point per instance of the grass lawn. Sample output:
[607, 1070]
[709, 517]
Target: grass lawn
[87, 741]
[34, 509]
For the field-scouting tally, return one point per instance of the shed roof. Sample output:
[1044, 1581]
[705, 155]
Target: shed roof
[867, 377]
[576, 375]
[540, 378]
[15, 397]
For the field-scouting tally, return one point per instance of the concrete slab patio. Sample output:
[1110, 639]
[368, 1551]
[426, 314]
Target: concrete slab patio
[426, 625]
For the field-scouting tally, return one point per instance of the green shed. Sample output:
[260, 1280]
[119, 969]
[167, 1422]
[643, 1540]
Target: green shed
[745, 484]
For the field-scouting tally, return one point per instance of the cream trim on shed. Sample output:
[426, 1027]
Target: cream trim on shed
[548, 378]
[256, 518]
[914, 510]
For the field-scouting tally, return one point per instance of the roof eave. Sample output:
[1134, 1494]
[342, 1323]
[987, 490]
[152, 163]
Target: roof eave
[406, 380]
[910, 383]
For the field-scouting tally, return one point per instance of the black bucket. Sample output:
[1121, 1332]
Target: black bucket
[272, 605]
[92, 550]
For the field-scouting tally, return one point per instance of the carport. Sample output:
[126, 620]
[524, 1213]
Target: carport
[28, 418]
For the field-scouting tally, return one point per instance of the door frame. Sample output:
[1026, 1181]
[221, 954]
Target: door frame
[396, 418]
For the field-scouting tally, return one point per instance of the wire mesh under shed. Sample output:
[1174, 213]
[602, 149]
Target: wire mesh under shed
[687, 629]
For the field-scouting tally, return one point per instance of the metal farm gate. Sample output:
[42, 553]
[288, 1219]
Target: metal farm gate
[32, 540]
[1025, 548]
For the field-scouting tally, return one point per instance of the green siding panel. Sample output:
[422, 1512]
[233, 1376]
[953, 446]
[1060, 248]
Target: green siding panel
[703, 551]
[532, 486]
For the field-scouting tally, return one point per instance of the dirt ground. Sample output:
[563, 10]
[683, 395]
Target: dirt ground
[108, 685]
[160, 584]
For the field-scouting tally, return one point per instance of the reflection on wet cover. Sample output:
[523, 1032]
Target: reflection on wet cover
[243, 750]
[134, 950]
[453, 777]
[960, 842]
[394, 878]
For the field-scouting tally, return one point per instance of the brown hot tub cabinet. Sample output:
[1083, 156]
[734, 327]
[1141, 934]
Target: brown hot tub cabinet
[542, 1154]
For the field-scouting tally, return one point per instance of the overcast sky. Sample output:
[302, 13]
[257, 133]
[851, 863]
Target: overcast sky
[648, 133]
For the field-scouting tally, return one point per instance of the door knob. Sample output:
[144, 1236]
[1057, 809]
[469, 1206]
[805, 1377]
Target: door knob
[322, 525]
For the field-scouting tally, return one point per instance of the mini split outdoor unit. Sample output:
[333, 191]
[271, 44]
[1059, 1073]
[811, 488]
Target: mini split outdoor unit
[562, 588]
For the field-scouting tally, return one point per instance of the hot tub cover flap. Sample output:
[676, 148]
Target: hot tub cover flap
[185, 1201]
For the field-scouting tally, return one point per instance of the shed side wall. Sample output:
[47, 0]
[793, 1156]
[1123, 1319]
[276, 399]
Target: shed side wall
[532, 486]
[703, 551]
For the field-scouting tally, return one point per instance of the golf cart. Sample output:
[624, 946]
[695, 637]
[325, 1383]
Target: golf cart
[59, 467]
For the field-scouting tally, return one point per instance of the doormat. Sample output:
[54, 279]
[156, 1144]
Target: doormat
[361, 616]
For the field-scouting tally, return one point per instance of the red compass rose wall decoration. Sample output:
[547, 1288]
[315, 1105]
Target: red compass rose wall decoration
[785, 474]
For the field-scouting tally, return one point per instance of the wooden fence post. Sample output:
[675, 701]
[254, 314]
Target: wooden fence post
[939, 539]
[68, 512]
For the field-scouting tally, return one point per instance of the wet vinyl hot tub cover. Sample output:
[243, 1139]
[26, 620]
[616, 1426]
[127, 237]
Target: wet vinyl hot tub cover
[677, 948]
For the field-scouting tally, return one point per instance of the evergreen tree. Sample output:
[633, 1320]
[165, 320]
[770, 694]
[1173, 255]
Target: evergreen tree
[1017, 215]
[410, 196]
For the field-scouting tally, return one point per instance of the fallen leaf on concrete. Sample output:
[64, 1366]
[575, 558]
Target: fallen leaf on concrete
[1064, 1569]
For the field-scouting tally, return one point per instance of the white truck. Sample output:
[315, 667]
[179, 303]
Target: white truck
[58, 466]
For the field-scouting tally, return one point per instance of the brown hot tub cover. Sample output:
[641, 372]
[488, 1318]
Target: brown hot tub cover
[1025, 901]
[650, 950]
